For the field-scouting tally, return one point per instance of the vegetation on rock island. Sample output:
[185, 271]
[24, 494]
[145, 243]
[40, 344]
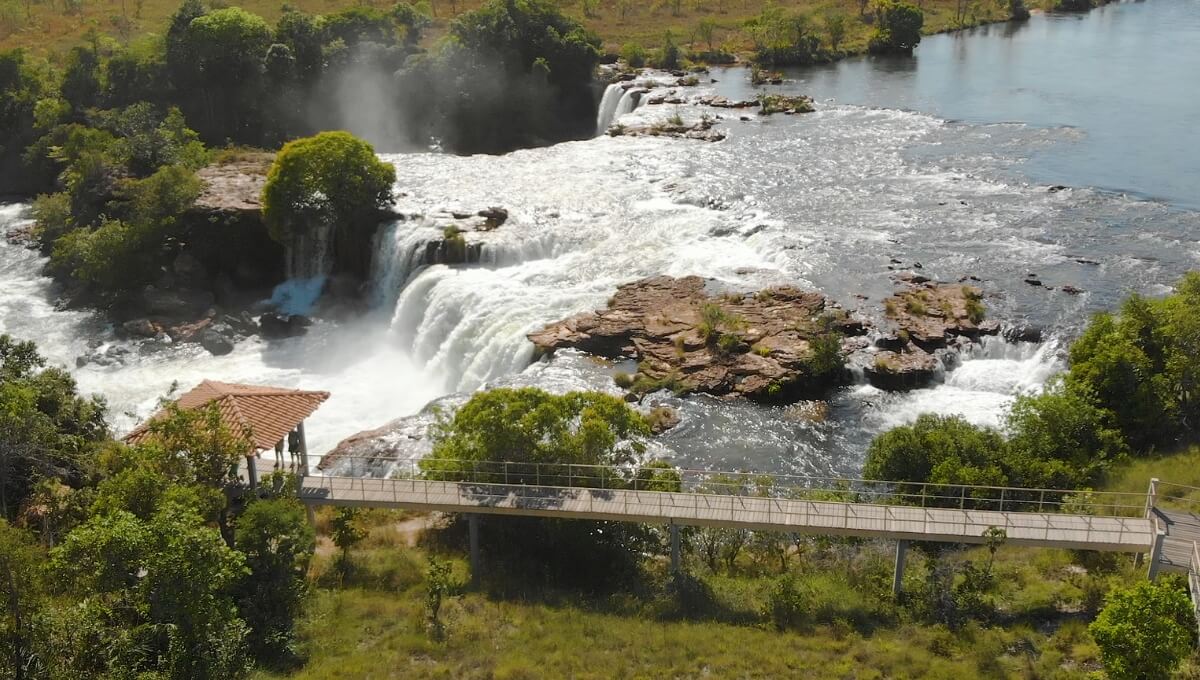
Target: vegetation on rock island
[1129, 391]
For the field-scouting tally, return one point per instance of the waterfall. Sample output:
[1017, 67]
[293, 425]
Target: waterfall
[608, 107]
[629, 101]
[308, 253]
[399, 251]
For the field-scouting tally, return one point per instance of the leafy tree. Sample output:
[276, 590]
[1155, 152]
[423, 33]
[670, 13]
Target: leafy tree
[347, 531]
[897, 28]
[437, 584]
[220, 54]
[528, 425]
[633, 54]
[277, 542]
[81, 83]
[1143, 632]
[46, 429]
[22, 592]
[836, 25]
[22, 86]
[330, 181]
[1059, 440]
[194, 447]
[155, 595]
[939, 450]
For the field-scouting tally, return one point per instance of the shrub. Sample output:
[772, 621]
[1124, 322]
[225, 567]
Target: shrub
[937, 449]
[1145, 631]
[633, 54]
[897, 28]
[789, 604]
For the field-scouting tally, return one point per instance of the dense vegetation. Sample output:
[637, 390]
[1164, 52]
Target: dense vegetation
[1130, 390]
[145, 567]
[110, 138]
[119, 561]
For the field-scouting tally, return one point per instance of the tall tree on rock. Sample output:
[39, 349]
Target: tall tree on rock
[322, 199]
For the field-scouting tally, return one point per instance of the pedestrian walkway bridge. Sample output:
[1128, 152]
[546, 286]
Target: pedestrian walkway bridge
[900, 511]
[816, 505]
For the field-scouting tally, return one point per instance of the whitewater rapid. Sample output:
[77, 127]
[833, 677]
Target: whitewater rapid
[839, 200]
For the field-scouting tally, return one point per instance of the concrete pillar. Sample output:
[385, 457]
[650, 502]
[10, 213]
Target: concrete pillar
[473, 535]
[674, 548]
[898, 574]
[1156, 554]
[303, 450]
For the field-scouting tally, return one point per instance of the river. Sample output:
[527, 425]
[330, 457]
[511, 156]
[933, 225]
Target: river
[947, 160]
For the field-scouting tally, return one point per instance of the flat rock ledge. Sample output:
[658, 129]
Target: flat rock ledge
[686, 338]
[702, 130]
[926, 317]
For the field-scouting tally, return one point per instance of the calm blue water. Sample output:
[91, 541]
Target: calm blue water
[1125, 77]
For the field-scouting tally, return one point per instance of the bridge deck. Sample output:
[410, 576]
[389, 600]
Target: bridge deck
[901, 522]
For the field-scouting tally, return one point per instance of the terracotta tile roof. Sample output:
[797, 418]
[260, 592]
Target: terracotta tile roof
[265, 414]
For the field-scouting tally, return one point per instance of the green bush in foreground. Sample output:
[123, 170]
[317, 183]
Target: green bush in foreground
[1144, 631]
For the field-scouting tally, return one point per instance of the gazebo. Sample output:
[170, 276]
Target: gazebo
[272, 418]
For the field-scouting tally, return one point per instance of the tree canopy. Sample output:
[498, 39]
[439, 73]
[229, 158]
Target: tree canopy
[897, 27]
[333, 176]
[1145, 631]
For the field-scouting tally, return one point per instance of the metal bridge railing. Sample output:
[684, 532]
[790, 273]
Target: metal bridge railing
[1169, 495]
[685, 507]
[750, 484]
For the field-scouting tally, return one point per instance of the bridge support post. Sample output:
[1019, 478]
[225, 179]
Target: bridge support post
[898, 573]
[473, 539]
[1156, 554]
[674, 548]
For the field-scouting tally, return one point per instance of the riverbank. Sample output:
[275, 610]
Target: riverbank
[44, 29]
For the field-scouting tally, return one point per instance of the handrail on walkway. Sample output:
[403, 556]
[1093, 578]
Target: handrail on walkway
[750, 484]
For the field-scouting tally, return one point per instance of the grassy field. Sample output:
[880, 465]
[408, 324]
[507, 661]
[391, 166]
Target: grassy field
[52, 27]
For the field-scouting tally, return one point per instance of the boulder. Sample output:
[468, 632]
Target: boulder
[140, 328]
[217, 343]
[1023, 333]
[493, 217]
[274, 326]
[902, 370]
[930, 314]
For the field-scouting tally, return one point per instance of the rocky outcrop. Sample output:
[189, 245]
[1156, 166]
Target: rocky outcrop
[775, 345]
[780, 103]
[926, 316]
[702, 130]
[235, 186]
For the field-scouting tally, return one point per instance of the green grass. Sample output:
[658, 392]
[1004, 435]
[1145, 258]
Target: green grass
[1181, 468]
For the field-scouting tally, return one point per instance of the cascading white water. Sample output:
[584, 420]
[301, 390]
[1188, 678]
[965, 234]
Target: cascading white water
[628, 103]
[608, 106]
[309, 253]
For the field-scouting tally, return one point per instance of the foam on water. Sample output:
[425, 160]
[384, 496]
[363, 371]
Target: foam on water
[837, 200]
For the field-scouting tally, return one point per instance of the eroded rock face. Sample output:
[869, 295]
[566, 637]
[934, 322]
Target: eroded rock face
[931, 314]
[928, 316]
[775, 345]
